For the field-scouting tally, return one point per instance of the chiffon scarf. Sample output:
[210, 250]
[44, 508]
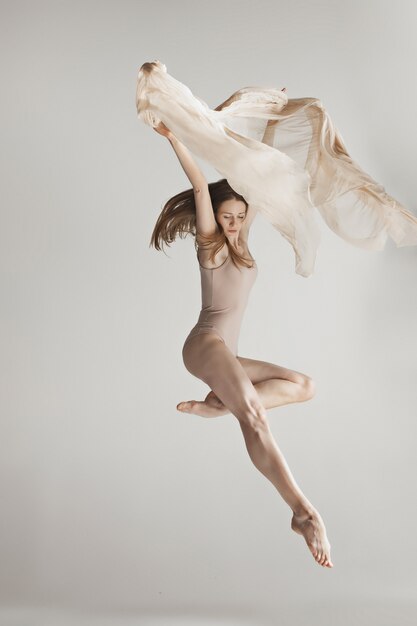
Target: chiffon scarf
[285, 157]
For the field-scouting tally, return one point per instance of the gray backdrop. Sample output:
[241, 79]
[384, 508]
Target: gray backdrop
[117, 508]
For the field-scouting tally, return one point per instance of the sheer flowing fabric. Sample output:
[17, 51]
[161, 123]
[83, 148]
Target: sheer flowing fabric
[285, 157]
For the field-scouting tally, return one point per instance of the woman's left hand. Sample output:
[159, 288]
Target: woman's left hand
[163, 130]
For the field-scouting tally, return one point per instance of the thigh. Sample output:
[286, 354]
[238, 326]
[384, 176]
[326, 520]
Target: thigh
[207, 357]
[258, 371]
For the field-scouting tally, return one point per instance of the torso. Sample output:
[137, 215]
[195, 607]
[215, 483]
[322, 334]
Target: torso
[225, 290]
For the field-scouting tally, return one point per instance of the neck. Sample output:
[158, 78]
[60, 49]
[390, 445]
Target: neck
[234, 241]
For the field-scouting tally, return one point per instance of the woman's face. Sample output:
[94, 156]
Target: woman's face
[231, 215]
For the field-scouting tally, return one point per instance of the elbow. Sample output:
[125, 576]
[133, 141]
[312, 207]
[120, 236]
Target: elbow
[200, 186]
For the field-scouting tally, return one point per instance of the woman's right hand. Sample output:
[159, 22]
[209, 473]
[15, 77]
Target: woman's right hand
[163, 130]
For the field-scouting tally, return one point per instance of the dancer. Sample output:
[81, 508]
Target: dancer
[220, 219]
[282, 158]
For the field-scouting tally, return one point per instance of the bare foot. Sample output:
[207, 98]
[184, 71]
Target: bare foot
[210, 407]
[311, 526]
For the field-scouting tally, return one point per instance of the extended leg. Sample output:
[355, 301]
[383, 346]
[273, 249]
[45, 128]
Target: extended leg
[213, 363]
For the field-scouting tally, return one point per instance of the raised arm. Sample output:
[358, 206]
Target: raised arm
[250, 216]
[205, 221]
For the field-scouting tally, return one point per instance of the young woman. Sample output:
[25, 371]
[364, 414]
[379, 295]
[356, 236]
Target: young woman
[220, 220]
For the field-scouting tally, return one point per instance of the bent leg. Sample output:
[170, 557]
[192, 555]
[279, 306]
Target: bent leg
[259, 371]
[277, 385]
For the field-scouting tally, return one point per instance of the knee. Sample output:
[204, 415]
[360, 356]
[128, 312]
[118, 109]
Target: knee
[253, 416]
[308, 388]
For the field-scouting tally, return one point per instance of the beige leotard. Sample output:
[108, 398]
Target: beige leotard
[224, 293]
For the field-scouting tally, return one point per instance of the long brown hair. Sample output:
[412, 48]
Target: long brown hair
[178, 218]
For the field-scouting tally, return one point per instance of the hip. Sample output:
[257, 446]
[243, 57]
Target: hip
[203, 330]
